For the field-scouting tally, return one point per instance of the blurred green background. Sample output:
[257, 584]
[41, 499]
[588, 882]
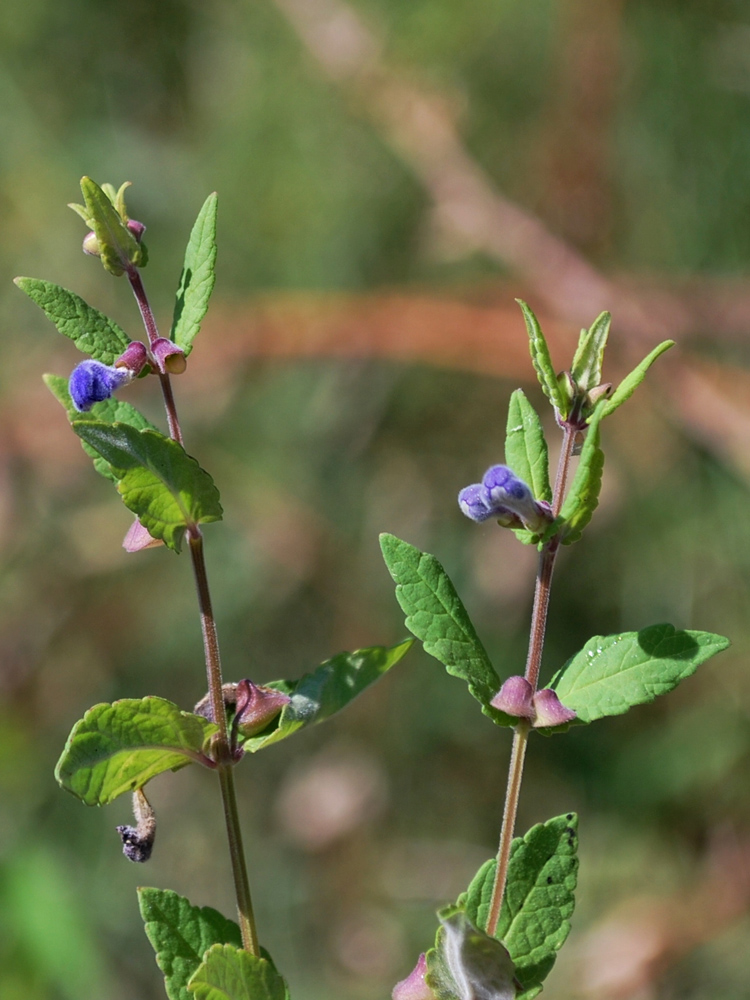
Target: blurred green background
[625, 128]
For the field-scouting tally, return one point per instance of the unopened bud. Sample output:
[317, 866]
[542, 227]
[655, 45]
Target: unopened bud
[134, 357]
[600, 392]
[257, 706]
[170, 359]
[550, 711]
[91, 245]
[136, 228]
[414, 986]
[515, 698]
[138, 840]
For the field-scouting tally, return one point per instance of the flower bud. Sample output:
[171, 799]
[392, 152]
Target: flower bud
[550, 711]
[257, 706]
[475, 502]
[509, 494]
[92, 382]
[136, 228]
[515, 698]
[414, 986]
[170, 359]
[91, 245]
[134, 357]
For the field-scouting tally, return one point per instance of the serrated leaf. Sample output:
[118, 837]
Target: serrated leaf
[91, 331]
[540, 358]
[589, 357]
[181, 934]
[630, 383]
[614, 672]
[197, 278]
[163, 486]
[117, 245]
[228, 973]
[108, 411]
[436, 616]
[539, 898]
[326, 690]
[583, 496]
[526, 447]
[118, 747]
[467, 964]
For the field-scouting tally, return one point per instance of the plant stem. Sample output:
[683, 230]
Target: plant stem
[245, 915]
[220, 746]
[537, 631]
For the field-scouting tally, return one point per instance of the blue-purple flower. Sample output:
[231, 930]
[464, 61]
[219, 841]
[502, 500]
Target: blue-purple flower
[508, 499]
[92, 382]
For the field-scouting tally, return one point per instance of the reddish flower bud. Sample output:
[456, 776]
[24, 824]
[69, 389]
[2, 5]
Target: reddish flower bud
[136, 228]
[170, 359]
[414, 986]
[134, 357]
[257, 706]
[515, 698]
[550, 711]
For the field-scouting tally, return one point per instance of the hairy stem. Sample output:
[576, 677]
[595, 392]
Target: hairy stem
[245, 915]
[221, 750]
[537, 631]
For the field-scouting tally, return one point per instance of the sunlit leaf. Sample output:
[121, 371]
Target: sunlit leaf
[614, 672]
[118, 747]
[197, 278]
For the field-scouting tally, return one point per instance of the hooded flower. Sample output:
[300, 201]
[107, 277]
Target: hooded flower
[504, 496]
[92, 382]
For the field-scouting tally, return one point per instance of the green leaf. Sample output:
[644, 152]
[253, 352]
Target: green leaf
[119, 747]
[197, 278]
[181, 934]
[326, 690]
[630, 383]
[589, 357]
[583, 496]
[228, 973]
[467, 964]
[525, 446]
[91, 331]
[108, 411]
[539, 898]
[614, 672]
[436, 616]
[158, 480]
[117, 245]
[542, 362]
